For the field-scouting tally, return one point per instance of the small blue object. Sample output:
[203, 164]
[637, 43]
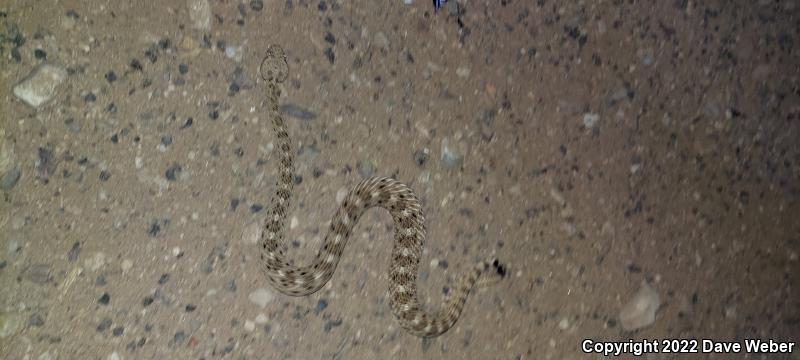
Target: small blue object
[437, 4]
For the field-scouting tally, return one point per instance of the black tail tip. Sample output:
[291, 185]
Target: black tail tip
[501, 269]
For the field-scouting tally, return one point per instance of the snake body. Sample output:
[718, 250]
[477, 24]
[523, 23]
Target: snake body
[392, 195]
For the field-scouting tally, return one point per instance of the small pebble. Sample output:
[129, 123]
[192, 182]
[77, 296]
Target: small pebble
[173, 172]
[38, 273]
[9, 324]
[261, 297]
[40, 85]
[297, 112]
[261, 319]
[450, 158]
[118, 331]
[590, 120]
[231, 52]
[329, 38]
[321, 305]
[330, 55]
[10, 179]
[365, 168]
[74, 252]
[166, 140]
[341, 194]
[249, 326]
[421, 156]
[251, 233]
[179, 337]
[104, 324]
[126, 265]
[330, 324]
[640, 311]
[256, 5]
[730, 312]
[381, 40]
[200, 14]
[36, 320]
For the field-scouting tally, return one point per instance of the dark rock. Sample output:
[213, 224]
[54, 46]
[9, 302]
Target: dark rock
[173, 172]
[36, 320]
[297, 112]
[104, 325]
[118, 331]
[10, 179]
[38, 273]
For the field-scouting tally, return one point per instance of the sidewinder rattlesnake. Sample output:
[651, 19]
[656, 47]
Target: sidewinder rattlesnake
[387, 193]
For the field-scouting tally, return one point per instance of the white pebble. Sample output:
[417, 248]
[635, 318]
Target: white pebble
[13, 246]
[40, 85]
[251, 233]
[126, 265]
[293, 223]
[340, 195]
[640, 311]
[249, 326]
[230, 52]
[261, 297]
[730, 312]
[590, 119]
[97, 261]
[9, 324]
[200, 14]
[261, 319]
[556, 195]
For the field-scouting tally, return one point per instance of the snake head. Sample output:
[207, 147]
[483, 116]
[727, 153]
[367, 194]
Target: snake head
[274, 67]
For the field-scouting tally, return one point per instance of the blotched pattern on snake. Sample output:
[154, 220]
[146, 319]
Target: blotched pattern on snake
[390, 194]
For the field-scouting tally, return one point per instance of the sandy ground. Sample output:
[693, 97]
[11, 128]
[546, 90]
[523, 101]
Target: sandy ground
[593, 146]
